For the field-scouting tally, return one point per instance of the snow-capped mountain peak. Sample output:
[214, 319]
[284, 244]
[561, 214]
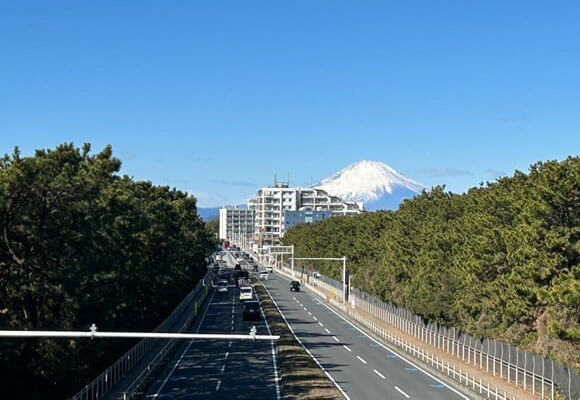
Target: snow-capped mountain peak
[370, 182]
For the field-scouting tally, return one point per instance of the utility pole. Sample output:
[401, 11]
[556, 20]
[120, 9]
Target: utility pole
[344, 280]
[292, 260]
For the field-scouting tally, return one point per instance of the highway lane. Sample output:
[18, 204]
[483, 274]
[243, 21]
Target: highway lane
[361, 367]
[221, 369]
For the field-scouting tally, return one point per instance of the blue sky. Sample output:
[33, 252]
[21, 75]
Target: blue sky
[215, 97]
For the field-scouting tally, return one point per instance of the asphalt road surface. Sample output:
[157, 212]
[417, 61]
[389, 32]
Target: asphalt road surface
[206, 369]
[362, 367]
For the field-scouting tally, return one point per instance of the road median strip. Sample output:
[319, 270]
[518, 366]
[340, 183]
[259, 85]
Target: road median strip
[301, 376]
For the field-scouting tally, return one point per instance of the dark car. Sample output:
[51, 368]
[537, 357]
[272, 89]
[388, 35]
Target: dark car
[294, 286]
[238, 266]
[241, 274]
[251, 310]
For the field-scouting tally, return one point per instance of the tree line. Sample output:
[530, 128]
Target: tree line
[500, 261]
[80, 244]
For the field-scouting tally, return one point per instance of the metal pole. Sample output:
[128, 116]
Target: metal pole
[292, 260]
[157, 335]
[344, 279]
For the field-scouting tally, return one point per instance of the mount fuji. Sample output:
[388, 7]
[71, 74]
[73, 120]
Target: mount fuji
[374, 183]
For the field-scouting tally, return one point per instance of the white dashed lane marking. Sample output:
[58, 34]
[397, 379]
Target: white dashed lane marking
[379, 374]
[361, 359]
[400, 391]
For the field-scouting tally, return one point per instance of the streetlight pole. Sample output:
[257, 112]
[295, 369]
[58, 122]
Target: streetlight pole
[292, 260]
[344, 279]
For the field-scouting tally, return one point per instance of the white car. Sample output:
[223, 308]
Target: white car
[246, 293]
[264, 275]
[222, 286]
[269, 269]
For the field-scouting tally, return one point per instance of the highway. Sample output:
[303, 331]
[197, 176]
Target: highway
[221, 369]
[362, 367]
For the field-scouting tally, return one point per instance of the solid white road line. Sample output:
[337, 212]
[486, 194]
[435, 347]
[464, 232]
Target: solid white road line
[403, 393]
[379, 374]
[394, 352]
[274, 364]
[347, 348]
[308, 351]
[361, 359]
[335, 338]
[160, 389]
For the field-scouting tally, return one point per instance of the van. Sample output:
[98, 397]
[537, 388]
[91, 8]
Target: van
[246, 293]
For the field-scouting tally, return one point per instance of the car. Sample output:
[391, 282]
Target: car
[222, 286]
[269, 268]
[251, 310]
[241, 274]
[294, 286]
[238, 266]
[263, 274]
[246, 293]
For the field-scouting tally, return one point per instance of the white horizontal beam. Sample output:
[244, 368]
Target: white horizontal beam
[135, 335]
[321, 258]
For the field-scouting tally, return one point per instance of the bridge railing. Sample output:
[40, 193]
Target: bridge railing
[98, 388]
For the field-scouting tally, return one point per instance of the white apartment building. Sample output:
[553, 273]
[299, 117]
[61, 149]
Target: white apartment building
[236, 223]
[271, 202]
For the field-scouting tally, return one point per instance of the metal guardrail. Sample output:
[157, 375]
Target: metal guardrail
[97, 389]
[450, 369]
[531, 372]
